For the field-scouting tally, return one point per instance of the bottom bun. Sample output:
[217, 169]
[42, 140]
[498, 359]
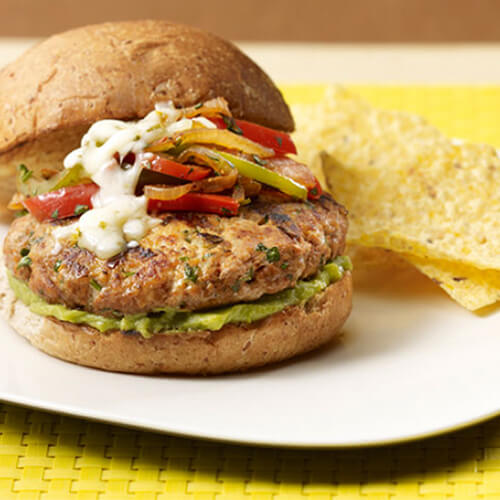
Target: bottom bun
[236, 347]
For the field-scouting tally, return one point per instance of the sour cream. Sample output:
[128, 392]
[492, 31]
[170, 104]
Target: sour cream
[119, 218]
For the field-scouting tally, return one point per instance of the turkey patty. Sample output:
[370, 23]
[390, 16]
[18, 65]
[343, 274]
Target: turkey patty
[190, 261]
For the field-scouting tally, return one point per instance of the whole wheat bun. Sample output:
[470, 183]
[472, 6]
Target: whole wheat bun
[48, 99]
[295, 330]
[57, 89]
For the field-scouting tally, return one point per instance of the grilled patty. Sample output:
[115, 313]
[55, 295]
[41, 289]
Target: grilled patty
[190, 261]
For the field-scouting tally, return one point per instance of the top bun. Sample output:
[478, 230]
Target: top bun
[57, 89]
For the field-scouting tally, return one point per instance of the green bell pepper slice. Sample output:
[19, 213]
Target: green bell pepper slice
[29, 185]
[266, 176]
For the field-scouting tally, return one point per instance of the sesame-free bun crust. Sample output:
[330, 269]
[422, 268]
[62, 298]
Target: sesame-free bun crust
[295, 330]
[120, 70]
[52, 93]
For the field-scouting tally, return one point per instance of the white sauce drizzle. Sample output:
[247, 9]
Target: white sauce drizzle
[119, 219]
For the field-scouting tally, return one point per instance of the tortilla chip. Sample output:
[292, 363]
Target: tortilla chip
[446, 205]
[410, 189]
[399, 176]
[472, 288]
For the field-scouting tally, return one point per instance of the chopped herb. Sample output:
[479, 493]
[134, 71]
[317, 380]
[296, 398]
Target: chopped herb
[57, 266]
[214, 158]
[257, 159]
[95, 285]
[55, 214]
[191, 272]
[314, 191]
[273, 254]
[249, 275]
[21, 213]
[187, 238]
[127, 274]
[75, 237]
[154, 127]
[190, 171]
[24, 252]
[225, 211]
[266, 219]
[24, 262]
[81, 209]
[184, 259]
[236, 286]
[284, 265]
[198, 106]
[231, 125]
[26, 173]
[279, 140]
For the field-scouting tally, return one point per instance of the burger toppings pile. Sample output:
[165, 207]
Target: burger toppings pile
[196, 159]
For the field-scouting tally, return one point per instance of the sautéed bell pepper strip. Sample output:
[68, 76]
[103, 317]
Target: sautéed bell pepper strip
[29, 185]
[315, 192]
[266, 176]
[65, 202]
[197, 202]
[175, 169]
[212, 136]
[280, 142]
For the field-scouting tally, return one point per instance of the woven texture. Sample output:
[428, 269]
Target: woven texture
[50, 457]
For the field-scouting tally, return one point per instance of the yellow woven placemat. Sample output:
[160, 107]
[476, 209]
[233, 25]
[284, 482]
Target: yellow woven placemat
[48, 457]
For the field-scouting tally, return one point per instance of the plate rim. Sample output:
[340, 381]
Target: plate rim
[227, 439]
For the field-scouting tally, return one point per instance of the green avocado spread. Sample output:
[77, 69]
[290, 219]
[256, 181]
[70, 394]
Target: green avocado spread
[169, 319]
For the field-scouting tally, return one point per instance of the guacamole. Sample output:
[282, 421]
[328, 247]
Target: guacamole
[169, 319]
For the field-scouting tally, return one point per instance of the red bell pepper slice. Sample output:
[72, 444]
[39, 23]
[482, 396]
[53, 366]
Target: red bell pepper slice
[179, 170]
[280, 142]
[64, 202]
[315, 192]
[197, 202]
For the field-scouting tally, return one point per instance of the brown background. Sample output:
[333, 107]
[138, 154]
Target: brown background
[299, 20]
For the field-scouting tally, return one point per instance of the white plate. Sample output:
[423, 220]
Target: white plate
[411, 363]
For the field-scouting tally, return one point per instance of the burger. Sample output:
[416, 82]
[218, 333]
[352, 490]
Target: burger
[163, 225]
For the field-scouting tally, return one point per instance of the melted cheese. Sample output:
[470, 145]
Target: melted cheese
[119, 218]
